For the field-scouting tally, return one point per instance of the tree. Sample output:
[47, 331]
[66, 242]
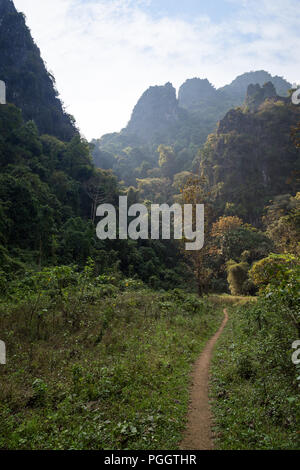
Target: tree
[221, 228]
[78, 159]
[154, 189]
[225, 225]
[282, 221]
[237, 277]
[277, 276]
[232, 238]
[101, 188]
[166, 160]
[296, 135]
[196, 192]
[272, 270]
[180, 180]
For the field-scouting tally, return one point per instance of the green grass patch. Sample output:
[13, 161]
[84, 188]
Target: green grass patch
[108, 371]
[256, 399]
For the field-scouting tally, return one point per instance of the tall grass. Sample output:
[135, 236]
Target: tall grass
[98, 363]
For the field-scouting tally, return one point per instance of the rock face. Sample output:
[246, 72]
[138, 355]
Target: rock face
[156, 114]
[29, 85]
[251, 158]
[6, 6]
[196, 92]
[159, 117]
[256, 95]
[186, 123]
[238, 88]
[202, 99]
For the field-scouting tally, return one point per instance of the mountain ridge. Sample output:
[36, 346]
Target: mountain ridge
[183, 122]
[158, 112]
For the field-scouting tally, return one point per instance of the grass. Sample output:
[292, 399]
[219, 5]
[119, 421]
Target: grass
[117, 378]
[104, 363]
[226, 300]
[256, 401]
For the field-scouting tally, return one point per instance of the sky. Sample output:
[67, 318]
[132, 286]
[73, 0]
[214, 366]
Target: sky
[105, 53]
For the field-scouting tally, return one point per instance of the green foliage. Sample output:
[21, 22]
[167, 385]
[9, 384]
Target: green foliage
[154, 189]
[278, 276]
[282, 220]
[237, 277]
[39, 393]
[233, 240]
[96, 359]
[116, 378]
[238, 241]
[255, 386]
[274, 270]
[49, 191]
[183, 125]
[29, 85]
[166, 160]
[243, 160]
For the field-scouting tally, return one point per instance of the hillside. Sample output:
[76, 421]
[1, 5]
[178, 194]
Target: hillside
[156, 116]
[159, 117]
[29, 85]
[99, 336]
[238, 87]
[48, 180]
[252, 157]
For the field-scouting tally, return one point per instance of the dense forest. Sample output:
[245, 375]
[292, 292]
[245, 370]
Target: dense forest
[246, 171]
[101, 334]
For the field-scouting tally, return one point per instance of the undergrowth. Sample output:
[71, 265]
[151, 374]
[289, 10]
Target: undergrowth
[97, 363]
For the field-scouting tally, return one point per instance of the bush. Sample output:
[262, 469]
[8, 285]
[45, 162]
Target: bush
[237, 277]
[274, 269]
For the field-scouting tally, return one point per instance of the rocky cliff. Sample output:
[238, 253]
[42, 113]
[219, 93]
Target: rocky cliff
[196, 92]
[29, 85]
[257, 95]
[156, 114]
[237, 89]
[159, 117]
[252, 157]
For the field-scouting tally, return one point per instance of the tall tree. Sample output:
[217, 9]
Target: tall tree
[196, 192]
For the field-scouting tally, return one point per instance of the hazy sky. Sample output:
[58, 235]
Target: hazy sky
[106, 53]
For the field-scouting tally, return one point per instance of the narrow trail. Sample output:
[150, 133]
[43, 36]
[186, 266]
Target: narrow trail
[198, 434]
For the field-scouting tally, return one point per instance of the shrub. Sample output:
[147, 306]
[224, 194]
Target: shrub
[237, 276]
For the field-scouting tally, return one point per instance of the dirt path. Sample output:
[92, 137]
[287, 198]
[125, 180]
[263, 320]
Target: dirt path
[198, 434]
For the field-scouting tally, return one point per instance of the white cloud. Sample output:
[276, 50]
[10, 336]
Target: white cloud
[105, 53]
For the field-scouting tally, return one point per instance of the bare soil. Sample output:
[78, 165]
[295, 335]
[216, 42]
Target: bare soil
[198, 434]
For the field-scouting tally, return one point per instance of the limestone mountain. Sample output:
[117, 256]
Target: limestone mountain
[257, 95]
[196, 91]
[252, 157]
[156, 114]
[29, 85]
[160, 117]
[204, 104]
[208, 105]
[236, 90]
